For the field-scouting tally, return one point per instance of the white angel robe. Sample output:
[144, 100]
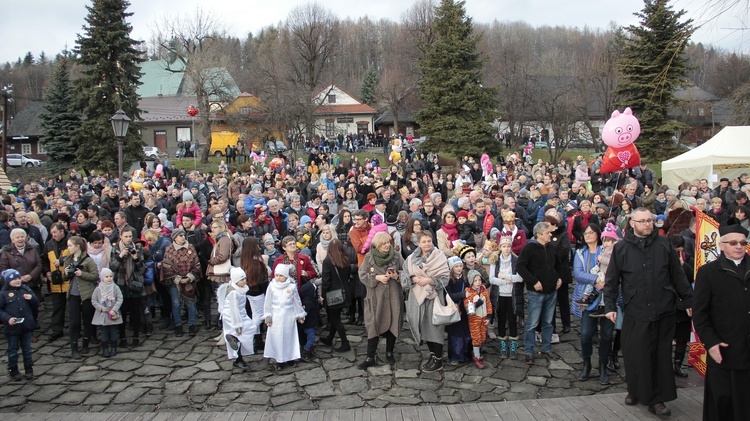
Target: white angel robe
[284, 307]
[234, 316]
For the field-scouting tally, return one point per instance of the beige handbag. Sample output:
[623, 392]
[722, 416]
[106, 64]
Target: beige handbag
[221, 268]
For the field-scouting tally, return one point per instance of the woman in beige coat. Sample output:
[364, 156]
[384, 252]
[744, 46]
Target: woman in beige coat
[384, 301]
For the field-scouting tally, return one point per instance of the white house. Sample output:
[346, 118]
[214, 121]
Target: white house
[342, 113]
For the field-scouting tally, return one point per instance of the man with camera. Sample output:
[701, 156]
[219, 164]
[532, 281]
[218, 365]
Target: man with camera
[128, 265]
[54, 251]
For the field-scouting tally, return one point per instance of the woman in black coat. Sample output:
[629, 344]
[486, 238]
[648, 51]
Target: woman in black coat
[336, 274]
[561, 244]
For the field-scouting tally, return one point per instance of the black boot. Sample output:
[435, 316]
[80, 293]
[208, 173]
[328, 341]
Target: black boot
[239, 362]
[344, 347]
[368, 362]
[258, 343]
[614, 364]
[29, 375]
[85, 347]
[74, 352]
[586, 370]
[112, 348]
[678, 371]
[14, 374]
[351, 320]
[178, 332]
[603, 376]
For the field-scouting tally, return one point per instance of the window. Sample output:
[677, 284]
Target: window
[40, 148]
[184, 134]
[332, 98]
[701, 111]
[26, 148]
[330, 128]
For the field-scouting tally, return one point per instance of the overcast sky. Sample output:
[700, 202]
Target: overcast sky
[50, 25]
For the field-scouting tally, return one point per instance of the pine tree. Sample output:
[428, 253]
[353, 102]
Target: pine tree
[59, 120]
[456, 109]
[109, 79]
[653, 67]
[367, 90]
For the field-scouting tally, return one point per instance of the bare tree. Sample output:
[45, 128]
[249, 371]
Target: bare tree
[192, 46]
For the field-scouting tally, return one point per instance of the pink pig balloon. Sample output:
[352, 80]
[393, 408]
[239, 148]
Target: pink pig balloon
[621, 129]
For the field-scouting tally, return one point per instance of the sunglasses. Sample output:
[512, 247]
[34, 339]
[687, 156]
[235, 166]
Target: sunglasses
[734, 243]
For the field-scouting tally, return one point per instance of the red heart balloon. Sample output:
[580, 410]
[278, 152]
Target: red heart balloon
[618, 159]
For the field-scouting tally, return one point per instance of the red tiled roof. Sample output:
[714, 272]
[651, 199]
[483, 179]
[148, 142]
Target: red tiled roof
[345, 109]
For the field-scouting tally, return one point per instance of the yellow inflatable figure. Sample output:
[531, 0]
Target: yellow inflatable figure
[137, 179]
[395, 156]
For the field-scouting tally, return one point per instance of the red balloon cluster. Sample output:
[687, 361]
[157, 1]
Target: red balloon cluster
[192, 111]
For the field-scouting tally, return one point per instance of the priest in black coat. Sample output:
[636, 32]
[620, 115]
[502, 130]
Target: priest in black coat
[721, 315]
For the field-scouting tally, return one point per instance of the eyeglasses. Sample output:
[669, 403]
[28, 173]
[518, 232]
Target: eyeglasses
[643, 221]
[734, 243]
[588, 232]
[358, 219]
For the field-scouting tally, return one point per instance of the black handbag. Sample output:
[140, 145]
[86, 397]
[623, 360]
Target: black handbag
[336, 297]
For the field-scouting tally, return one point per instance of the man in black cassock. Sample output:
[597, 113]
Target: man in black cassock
[647, 268]
[721, 315]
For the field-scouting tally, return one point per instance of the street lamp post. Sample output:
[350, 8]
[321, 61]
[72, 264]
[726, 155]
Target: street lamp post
[120, 123]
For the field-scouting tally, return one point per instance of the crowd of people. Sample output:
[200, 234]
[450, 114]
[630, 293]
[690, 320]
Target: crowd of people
[363, 244]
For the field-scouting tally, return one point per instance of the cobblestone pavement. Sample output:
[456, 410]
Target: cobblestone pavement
[166, 373]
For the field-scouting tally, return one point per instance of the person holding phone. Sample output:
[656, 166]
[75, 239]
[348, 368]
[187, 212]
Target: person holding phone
[18, 304]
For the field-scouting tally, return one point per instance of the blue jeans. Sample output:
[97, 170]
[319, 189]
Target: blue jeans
[588, 324]
[174, 293]
[24, 341]
[541, 310]
[310, 333]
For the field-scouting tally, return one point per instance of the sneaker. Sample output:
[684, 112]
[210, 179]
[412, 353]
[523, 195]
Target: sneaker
[529, 360]
[279, 366]
[555, 338]
[178, 332]
[479, 362]
[240, 363]
[192, 330]
[233, 342]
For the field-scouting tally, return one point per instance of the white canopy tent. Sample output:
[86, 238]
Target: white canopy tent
[727, 155]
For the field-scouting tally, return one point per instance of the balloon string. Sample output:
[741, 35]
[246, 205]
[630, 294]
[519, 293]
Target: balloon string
[617, 183]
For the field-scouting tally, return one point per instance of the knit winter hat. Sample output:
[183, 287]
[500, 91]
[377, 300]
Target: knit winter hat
[462, 214]
[453, 261]
[610, 232]
[186, 195]
[177, 232]
[10, 274]
[236, 274]
[283, 269]
[473, 274]
[305, 220]
[376, 219]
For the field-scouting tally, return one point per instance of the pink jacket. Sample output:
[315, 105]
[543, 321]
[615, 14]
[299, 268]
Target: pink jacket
[194, 209]
[382, 227]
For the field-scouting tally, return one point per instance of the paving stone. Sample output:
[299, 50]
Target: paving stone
[380, 370]
[511, 374]
[406, 374]
[285, 378]
[117, 376]
[177, 387]
[547, 392]
[446, 391]
[321, 390]
[419, 384]
[149, 370]
[129, 395]
[171, 402]
[91, 386]
[63, 369]
[208, 366]
[490, 397]
[429, 396]
[559, 365]
[284, 388]
[71, 398]
[300, 405]
[9, 388]
[207, 387]
[341, 402]
[454, 376]
[351, 386]
[331, 364]
[284, 399]
[523, 388]
[27, 390]
[11, 401]
[184, 373]
[38, 407]
[205, 375]
[346, 373]
[87, 368]
[468, 395]
[222, 399]
[125, 365]
[254, 398]
[450, 399]
[47, 393]
[554, 382]
[401, 391]
[536, 380]
[308, 377]
[99, 399]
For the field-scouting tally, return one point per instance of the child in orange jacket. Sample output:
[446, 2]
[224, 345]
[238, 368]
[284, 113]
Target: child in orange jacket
[478, 298]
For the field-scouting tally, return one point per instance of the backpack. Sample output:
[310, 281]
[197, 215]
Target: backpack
[150, 273]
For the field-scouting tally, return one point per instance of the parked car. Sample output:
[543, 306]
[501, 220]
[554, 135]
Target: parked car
[152, 152]
[276, 147]
[541, 144]
[581, 144]
[19, 160]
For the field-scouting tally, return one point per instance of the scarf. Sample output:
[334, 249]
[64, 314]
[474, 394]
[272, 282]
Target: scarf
[400, 226]
[324, 242]
[382, 259]
[180, 246]
[450, 230]
[432, 264]
[107, 291]
[414, 239]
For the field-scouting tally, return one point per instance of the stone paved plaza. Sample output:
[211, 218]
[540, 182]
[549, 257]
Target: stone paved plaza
[172, 374]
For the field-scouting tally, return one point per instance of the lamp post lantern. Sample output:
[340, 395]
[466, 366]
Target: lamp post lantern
[120, 123]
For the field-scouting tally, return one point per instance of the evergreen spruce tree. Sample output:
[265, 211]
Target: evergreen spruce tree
[456, 109]
[109, 79]
[367, 90]
[59, 121]
[652, 67]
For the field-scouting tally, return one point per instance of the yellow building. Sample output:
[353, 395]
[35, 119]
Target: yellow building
[244, 119]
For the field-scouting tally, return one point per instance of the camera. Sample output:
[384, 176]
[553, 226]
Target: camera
[131, 248]
[71, 269]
